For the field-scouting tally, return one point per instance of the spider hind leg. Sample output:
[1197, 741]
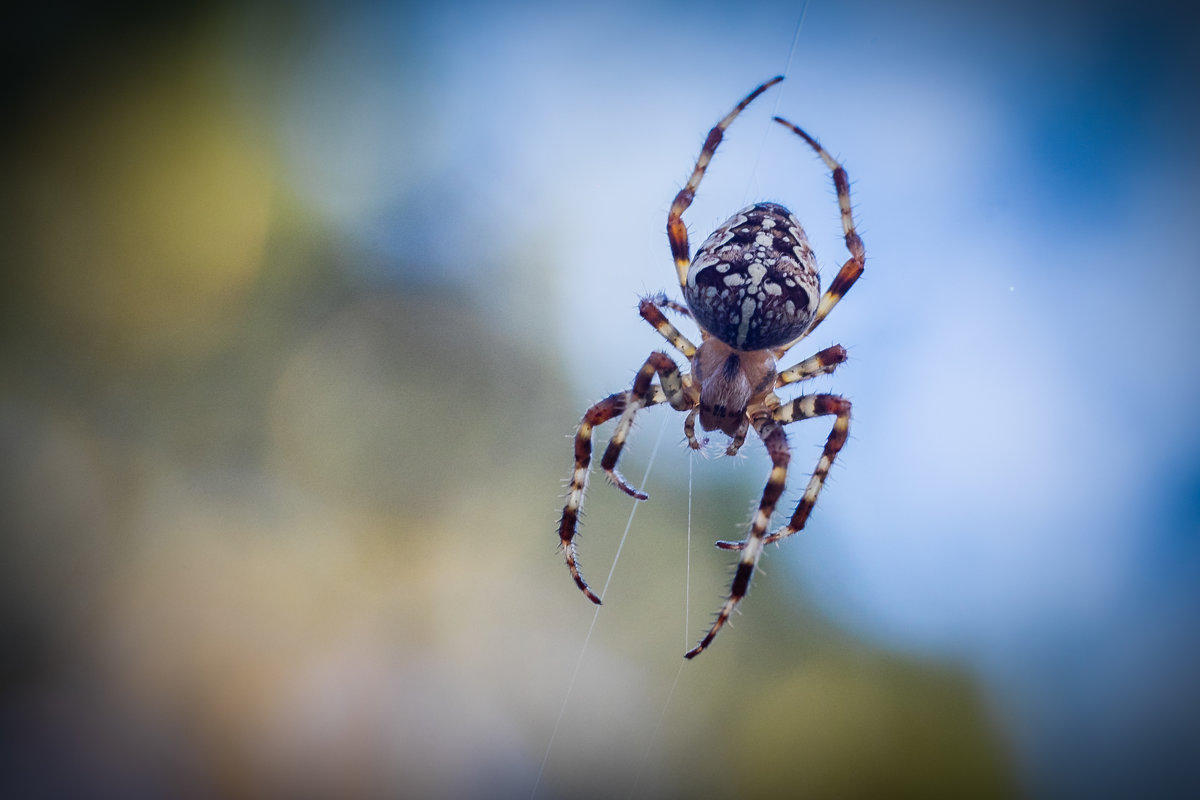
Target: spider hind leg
[808, 407]
[772, 432]
[775, 439]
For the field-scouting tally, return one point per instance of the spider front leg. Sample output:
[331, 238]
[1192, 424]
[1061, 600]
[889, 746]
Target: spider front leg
[676, 230]
[775, 439]
[814, 405]
[853, 268]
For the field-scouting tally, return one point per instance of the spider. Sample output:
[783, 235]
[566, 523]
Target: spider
[754, 292]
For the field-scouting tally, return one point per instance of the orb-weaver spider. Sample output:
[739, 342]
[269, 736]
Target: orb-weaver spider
[754, 291]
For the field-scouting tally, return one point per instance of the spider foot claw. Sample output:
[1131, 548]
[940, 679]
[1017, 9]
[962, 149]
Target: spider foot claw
[623, 485]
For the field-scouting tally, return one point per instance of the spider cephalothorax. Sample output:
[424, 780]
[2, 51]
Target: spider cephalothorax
[754, 291]
[730, 381]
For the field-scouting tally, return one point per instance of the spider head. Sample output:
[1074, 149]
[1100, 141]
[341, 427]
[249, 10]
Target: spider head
[729, 381]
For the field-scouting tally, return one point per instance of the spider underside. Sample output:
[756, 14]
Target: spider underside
[754, 291]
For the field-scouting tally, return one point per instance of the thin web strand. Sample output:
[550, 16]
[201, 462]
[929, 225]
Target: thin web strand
[657, 726]
[650, 463]
[595, 616]
[787, 72]
[687, 583]
[691, 459]
[633, 511]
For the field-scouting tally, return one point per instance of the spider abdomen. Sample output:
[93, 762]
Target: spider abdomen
[754, 283]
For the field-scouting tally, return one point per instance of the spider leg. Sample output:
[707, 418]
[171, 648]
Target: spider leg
[676, 230]
[822, 363]
[689, 430]
[678, 393]
[599, 413]
[854, 266]
[648, 308]
[662, 301]
[775, 439]
[739, 437]
[813, 405]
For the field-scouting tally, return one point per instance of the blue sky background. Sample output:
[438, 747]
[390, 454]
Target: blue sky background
[1021, 490]
[487, 185]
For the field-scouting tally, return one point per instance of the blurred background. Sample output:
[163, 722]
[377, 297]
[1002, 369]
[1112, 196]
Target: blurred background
[301, 304]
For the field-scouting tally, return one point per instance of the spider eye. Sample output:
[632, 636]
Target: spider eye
[754, 283]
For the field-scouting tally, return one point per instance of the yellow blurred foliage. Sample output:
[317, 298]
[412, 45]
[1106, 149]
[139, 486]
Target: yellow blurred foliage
[148, 199]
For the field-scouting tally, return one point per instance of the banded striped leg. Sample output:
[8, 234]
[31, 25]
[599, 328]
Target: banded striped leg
[601, 412]
[689, 430]
[681, 396]
[648, 308]
[822, 363]
[853, 267]
[662, 301]
[739, 437]
[676, 230]
[775, 439]
[813, 405]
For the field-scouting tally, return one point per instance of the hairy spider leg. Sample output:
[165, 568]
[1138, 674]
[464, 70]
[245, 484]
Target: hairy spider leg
[679, 393]
[775, 439]
[772, 432]
[855, 265]
[767, 414]
[601, 412]
[689, 430]
[739, 437]
[813, 405]
[822, 363]
[618, 404]
[648, 308]
[676, 230]
[662, 301]
[673, 388]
